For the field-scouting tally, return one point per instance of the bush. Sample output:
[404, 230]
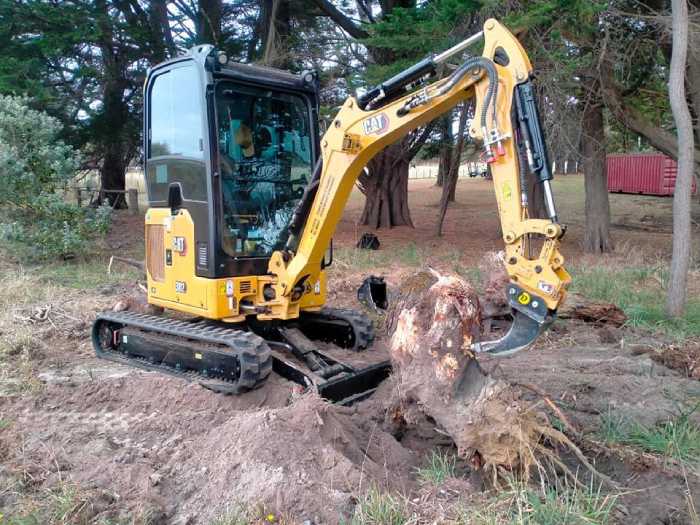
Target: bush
[34, 165]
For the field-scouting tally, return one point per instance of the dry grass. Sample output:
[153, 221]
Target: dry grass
[42, 309]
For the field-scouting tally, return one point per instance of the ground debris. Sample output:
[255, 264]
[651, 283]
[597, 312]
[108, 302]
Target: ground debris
[576, 306]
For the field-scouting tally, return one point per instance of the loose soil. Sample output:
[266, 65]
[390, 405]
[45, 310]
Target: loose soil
[142, 445]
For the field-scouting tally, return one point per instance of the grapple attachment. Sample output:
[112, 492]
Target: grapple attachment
[530, 318]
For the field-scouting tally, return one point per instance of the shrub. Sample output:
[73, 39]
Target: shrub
[34, 165]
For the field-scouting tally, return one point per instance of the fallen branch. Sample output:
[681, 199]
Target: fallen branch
[125, 260]
[579, 307]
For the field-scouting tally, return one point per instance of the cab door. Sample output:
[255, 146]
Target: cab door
[176, 147]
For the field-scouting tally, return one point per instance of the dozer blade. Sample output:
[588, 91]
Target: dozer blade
[530, 318]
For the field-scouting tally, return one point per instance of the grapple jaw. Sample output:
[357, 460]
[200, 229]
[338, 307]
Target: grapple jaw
[530, 318]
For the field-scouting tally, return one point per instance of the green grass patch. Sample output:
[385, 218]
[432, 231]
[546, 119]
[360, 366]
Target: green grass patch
[677, 438]
[235, 515]
[640, 292]
[377, 508]
[86, 274]
[439, 467]
[62, 505]
[409, 255]
[566, 505]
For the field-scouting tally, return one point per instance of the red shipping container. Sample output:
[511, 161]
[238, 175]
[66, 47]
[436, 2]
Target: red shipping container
[643, 173]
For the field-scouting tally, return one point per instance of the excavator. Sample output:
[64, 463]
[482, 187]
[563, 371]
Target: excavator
[245, 198]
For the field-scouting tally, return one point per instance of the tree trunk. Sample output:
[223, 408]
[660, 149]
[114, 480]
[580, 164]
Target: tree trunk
[597, 221]
[446, 144]
[692, 84]
[164, 46]
[432, 324]
[113, 173]
[276, 39]
[113, 119]
[450, 184]
[386, 189]
[209, 22]
[680, 260]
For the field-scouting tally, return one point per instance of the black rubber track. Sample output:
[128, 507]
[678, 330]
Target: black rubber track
[361, 325]
[251, 351]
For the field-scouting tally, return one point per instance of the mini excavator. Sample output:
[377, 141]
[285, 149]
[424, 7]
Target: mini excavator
[245, 198]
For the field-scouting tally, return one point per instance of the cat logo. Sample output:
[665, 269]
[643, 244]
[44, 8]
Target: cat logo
[376, 124]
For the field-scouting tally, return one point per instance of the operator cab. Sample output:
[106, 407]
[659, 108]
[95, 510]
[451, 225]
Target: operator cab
[239, 143]
[265, 159]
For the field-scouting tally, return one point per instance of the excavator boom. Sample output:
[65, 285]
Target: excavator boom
[506, 122]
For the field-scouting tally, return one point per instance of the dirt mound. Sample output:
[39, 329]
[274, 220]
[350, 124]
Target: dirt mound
[182, 454]
[307, 459]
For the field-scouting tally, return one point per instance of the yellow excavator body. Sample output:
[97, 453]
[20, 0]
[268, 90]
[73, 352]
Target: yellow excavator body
[246, 196]
[172, 282]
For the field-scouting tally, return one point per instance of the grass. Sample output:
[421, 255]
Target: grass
[238, 514]
[640, 292]
[235, 515]
[677, 437]
[408, 255]
[440, 467]
[19, 350]
[566, 505]
[64, 504]
[86, 274]
[377, 508]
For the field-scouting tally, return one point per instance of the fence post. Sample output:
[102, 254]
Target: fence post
[133, 202]
[78, 197]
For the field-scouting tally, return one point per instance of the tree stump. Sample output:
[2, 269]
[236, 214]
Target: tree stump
[432, 324]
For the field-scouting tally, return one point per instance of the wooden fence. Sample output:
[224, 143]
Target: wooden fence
[429, 169]
[88, 195]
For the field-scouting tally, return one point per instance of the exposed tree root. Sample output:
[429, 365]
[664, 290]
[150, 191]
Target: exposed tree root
[434, 322]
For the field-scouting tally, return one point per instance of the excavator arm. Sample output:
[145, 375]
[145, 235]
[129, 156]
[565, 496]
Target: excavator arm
[507, 124]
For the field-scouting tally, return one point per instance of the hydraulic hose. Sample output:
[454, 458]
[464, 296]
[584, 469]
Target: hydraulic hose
[491, 91]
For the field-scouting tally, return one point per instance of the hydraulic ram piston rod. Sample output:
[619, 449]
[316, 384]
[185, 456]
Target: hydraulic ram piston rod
[389, 89]
[439, 59]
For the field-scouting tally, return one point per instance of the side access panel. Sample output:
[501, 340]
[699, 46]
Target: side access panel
[170, 261]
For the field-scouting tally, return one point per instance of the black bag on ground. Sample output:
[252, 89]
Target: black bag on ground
[368, 241]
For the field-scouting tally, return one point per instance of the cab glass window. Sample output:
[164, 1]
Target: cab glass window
[176, 146]
[264, 139]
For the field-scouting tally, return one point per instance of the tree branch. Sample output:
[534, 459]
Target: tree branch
[418, 143]
[632, 118]
[341, 19]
